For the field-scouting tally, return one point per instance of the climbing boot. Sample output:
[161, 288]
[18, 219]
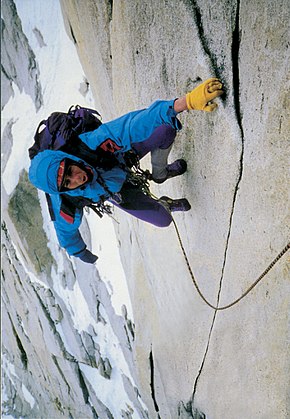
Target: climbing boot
[174, 205]
[176, 168]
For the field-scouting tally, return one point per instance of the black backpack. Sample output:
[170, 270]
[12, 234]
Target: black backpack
[61, 128]
[60, 131]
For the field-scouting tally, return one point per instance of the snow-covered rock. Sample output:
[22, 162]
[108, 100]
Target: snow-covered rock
[66, 346]
[18, 60]
[68, 349]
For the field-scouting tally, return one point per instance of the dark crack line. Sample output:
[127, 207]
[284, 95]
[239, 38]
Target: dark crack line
[197, 17]
[236, 39]
[61, 372]
[23, 354]
[198, 20]
[72, 34]
[236, 93]
[83, 386]
[152, 385]
[203, 360]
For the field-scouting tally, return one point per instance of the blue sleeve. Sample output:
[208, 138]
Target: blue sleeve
[67, 233]
[134, 127]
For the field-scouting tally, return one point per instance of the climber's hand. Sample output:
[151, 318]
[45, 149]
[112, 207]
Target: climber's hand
[86, 256]
[199, 98]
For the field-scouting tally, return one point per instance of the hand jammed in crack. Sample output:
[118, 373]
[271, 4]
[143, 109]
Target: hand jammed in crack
[201, 97]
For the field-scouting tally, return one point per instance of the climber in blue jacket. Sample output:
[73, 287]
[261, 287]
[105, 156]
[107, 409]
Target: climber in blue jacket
[143, 131]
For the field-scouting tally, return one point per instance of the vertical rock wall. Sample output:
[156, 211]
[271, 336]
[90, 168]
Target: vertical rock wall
[16, 53]
[233, 363]
[61, 339]
[229, 364]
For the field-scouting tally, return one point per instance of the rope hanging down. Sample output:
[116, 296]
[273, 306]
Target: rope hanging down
[245, 293]
[141, 178]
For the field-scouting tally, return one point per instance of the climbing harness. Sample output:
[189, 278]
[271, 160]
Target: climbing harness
[140, 178]
[287, 247]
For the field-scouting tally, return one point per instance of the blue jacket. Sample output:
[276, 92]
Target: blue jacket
[130, 128]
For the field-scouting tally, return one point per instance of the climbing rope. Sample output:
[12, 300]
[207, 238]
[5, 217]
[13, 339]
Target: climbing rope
[245, 293]
[141, 178]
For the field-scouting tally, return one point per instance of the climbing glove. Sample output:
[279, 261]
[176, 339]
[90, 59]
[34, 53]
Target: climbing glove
[199, 98]
[87, 256]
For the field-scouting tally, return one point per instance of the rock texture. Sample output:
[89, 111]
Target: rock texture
[97, 59]
[16, 54]
[43, 351]
[233, 363]
[56, 359]
[184, 359]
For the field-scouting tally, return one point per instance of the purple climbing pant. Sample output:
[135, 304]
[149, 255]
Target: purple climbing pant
[134, 201]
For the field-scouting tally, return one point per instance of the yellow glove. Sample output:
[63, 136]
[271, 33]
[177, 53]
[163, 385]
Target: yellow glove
[199, 97]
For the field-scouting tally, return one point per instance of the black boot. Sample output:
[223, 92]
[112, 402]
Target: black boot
[177, 168]
[175, 204]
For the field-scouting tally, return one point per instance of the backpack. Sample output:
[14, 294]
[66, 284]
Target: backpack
[63, 128]
[60, 131]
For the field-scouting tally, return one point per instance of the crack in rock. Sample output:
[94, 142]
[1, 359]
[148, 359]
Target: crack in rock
[23, 354]
[61, 372]
[197, 16]
[151, 361]
[83, 386]
[236, 93]
[202, 364]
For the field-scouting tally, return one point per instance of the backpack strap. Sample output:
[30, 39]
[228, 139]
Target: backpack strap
[34, 149]
[43, 122]
[85, 119]
[74, 108]
[70, 204]
[49, 204]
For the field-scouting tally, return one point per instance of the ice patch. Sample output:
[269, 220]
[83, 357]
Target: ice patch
[105, 245]
[110, 392]
[28, 396]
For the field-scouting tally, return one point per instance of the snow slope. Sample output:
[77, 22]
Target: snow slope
[61, 89]
[61, 78]
[179, 354]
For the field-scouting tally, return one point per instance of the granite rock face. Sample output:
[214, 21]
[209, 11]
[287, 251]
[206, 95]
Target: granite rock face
[236, 183]
[18, 62]
[56, 351]
[41, 374]
[184, 359]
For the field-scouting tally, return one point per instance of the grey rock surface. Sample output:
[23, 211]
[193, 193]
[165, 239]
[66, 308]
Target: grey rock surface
[18, 63]
[185, 359]
[7, 141]
[97, 60]
[35, 352]
[236, 183]
[43, 349]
